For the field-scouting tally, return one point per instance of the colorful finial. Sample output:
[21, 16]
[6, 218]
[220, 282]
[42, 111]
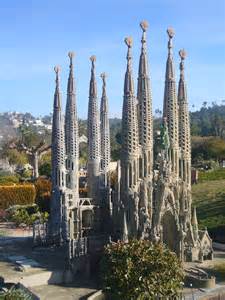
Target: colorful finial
[93, 58]
[71, 54]
[57, 69]
[183, 54]
[103, 76]
[128, 41]
[144, 25]
[170, 32]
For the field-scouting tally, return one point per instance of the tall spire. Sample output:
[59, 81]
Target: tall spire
[105, 132]
[184, 124]
[93, 134]
[144, 98]
[170, 108]
[58, 162]
[71, 135]
[58, 147]
[129, 118]
[194, 222]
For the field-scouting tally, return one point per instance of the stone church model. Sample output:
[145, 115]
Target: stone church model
[151, 198]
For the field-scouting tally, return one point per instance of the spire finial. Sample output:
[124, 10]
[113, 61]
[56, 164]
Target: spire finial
[183, 55]
[128, 41]
[144, 25]
[170, 32]
[57, 70]
[103, 76]
[93, 58]
[71, 55]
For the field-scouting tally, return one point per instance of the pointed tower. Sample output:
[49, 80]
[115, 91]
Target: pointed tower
[194, 222]
[71, 136]
[58, 163]
[184, 126]
[170, 107]
[130, 146]
[105, 133]
[144, 98]
[94, 152]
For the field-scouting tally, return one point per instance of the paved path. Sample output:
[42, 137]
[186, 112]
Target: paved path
[16, 246]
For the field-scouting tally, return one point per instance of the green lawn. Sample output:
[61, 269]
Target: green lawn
[212, 175]
[209, 198]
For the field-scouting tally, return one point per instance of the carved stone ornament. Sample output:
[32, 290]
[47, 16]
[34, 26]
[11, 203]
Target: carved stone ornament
[93, 58]
[144, 25]
[170, 32]
[128, 41]
[183, 54]
[57, 69]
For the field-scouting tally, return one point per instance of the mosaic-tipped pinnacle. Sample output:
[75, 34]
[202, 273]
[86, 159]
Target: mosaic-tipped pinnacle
[183, 54]
[144, 25]
[170, 32]
[71, 54]
[57, 69]
[128, 41]
[93, 58]
[103, 75]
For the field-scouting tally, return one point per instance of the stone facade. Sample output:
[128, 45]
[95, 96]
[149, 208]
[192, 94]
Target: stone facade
[151, 198]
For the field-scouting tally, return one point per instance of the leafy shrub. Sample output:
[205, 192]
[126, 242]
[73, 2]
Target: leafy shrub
[45, 169]
[26, 214]
[19, 194]
[9, 180]
[15, 293]
[140, 270]
[43, 193]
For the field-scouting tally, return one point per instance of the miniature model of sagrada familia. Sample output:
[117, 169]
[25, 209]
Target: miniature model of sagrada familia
[152, 195]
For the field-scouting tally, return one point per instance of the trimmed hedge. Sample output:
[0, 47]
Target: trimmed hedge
[21, 194]
[43, 194]
[9, 180]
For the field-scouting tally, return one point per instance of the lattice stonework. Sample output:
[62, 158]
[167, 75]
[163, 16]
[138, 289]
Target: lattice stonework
[130, 138]
[71, 133]
[170, 107]
[104, 128]
[58, 142]
[93, 118]
[144, 98]
[184, 124]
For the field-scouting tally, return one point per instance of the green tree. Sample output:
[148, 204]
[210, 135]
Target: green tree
[15, 157]
[141, 270]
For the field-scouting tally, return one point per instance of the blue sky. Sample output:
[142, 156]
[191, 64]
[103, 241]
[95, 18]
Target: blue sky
[36, 35]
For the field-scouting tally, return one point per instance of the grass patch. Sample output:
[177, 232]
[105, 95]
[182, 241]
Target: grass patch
[209, 198]
[212, 175]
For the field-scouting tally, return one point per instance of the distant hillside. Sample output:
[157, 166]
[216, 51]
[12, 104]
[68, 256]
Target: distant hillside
[209, 121]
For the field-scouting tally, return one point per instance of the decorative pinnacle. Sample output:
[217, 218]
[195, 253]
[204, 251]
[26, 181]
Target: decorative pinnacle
[71, 54]
[103, 76]
[144, 25]
[170, 32]
[183, 54]
[128, 41]
[93, 58]
[57, 69]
